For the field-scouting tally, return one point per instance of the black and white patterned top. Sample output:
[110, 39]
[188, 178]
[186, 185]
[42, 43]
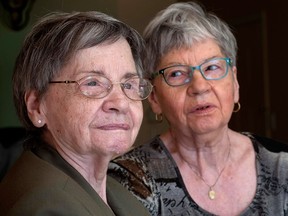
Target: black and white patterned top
[151, 174]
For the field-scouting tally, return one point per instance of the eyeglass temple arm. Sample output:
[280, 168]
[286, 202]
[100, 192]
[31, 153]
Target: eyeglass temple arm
[65, 81]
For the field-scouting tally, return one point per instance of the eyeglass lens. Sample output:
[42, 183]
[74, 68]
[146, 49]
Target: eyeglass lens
[134, 88]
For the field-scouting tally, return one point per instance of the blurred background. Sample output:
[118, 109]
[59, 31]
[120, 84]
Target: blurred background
[260, 28]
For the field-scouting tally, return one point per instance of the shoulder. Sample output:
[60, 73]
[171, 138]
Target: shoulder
[272, 154]
[122, 201]
[135, 170]
[272, 175]
[142, 154]
[134, 166]
[271, 144]
[33, 185]
[44, 201]
[143, 159]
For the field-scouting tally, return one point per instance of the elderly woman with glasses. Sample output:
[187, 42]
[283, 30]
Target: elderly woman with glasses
[199, 166]
[78, 85]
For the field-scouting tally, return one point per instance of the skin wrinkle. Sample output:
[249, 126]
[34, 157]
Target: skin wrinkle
[90, 119]
[200, 145]
[174, 92]
[208, 168]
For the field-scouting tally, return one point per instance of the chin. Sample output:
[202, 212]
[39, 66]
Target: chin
[120, 148]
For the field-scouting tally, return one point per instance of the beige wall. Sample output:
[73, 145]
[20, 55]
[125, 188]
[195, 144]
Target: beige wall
[136, 13]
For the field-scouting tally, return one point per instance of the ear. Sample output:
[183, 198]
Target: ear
[154, 102]
[34, 109]
[235, 85]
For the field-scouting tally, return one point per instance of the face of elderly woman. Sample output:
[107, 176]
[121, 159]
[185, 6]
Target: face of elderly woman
[85, 125]
[201, 106]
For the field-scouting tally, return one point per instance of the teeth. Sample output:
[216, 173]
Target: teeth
[202, 108]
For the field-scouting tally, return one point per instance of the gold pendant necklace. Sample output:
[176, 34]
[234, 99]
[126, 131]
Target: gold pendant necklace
[211, 192]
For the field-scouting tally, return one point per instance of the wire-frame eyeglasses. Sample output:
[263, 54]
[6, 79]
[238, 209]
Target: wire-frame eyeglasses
[98, 86]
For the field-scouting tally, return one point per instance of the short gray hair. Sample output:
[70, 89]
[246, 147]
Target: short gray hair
[181, 25]
[55, 40]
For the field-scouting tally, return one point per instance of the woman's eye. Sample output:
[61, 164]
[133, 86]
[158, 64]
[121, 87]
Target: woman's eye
[127, 85]
[91, 83]
[211, 67]
[176, 73]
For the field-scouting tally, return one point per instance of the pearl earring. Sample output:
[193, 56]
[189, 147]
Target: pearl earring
[39, 121]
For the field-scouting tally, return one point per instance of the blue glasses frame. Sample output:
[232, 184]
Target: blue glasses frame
[193, 68]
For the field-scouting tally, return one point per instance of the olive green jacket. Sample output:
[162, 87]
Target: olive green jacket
[48, 185]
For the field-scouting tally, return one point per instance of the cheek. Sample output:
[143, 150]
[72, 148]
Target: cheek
[227, 95]
[62, 110]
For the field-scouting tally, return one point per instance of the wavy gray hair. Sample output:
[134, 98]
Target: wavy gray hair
[53, 42]
[182, 25]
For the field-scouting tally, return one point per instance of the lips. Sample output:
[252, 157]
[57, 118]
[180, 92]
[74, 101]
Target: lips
[202, 108]
[115, 126]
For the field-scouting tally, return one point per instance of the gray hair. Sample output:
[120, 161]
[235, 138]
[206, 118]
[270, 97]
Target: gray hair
[55, 40]
[181, 25]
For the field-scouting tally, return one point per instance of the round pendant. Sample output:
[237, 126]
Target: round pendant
[212, 194]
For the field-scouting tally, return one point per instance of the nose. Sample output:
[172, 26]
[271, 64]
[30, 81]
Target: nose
[116, 100]
[198, 84]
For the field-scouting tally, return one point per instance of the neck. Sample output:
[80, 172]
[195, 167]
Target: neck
[93, 169]
[203, 158]
[220, 171]
[201, 152]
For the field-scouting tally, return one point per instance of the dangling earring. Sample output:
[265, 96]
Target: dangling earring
[238, 107]
[159, 117]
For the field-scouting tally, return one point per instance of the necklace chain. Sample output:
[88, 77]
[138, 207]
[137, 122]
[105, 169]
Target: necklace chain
[211, 192]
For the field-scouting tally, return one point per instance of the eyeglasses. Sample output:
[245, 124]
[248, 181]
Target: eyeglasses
[178, 75]
[98, 86]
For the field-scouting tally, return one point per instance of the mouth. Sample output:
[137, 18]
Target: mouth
[202, 108]
[115, 126]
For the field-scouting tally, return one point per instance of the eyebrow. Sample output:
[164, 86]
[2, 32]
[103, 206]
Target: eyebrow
[130, 74]
[213, 57]
[100, 72]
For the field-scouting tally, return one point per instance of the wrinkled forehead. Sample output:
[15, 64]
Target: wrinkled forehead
[113, 60]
